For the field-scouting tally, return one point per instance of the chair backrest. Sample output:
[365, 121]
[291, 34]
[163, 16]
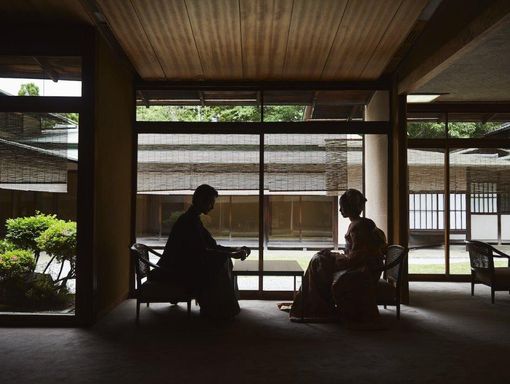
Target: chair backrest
[480, 255]
[395, 256]
[140, 257]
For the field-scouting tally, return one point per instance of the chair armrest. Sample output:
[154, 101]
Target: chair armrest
[389, 266]
[137, 254]
[500, 253]
[154, 252]
[150, 263]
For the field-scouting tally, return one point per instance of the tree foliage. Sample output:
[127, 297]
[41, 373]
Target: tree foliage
[20, 285]
[28, 89]
[24, 231]
[220, 113]
[457, 129]
[72, 116]
[6, 246]
[59, 240]
[16, 263]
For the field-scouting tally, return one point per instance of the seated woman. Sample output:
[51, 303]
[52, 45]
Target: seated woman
[343, 284]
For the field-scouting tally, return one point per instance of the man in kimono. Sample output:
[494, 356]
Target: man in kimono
[193, 259]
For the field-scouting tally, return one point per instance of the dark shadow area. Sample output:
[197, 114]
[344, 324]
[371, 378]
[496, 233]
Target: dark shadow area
[444, 336]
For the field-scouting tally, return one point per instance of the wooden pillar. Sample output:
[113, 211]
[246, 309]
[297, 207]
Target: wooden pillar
[399, 178]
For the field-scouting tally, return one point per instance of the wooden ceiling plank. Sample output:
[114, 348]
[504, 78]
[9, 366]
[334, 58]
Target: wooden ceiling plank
[449, 35]
[169, 31]
[396, 33]
[312, 31]
[217, 31]
[364, 23]
[264, 28]
[125, 25]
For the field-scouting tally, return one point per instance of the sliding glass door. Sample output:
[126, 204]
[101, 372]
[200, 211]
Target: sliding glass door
[279, 160]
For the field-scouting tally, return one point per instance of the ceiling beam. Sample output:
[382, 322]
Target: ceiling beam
[353, 112]
[47, 68]
[471, 107]
[332, 126]
[145, 99]
[488, 117]
[202, 98]
[457, 27]
[58, 104]
[376, 85]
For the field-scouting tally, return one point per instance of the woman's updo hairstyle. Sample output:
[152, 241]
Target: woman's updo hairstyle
[352, 202]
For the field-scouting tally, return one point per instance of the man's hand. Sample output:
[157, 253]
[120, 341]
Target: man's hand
[247, 250]
[241, 253]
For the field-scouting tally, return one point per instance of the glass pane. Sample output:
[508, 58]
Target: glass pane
[38, 183]
[481, 177]
[426, 126]
[426, 211]
[170, 167]
[198, 106]
[275, 113]
[304, 175]
[308, 105]
[477, 125]
[285, 283]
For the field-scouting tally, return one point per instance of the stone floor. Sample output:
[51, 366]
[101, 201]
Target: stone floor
[445, 336]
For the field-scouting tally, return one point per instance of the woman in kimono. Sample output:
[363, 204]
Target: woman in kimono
[343, 285]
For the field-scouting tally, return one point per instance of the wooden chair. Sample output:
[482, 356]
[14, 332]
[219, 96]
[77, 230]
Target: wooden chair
[481, 258]
[388, 287]
[154, 291]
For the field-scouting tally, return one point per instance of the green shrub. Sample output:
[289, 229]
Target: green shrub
[23, 231]
[6, 246]
[59, 240]
[16, 264]
[34, 291]
[41, 292]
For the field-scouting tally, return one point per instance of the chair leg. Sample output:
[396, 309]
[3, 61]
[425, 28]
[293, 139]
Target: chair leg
[492, 295]
[472, 284]
[189, 308]
[137, 312]
[398, 311]
[148, 305]
[384, 306]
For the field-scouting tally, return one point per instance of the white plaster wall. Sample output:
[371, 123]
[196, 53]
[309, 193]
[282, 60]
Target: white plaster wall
[484, 227]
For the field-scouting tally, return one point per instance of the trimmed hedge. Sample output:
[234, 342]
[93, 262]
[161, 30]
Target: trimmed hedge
[23, 231]
[16, 264]
[59, 240]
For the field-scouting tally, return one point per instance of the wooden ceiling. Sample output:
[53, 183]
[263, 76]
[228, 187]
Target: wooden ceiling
[260, 39]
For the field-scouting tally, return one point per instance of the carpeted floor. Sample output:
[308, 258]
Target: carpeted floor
[445, 336]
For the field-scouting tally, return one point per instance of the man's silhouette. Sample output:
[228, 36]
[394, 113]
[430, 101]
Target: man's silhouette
[194, 260]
